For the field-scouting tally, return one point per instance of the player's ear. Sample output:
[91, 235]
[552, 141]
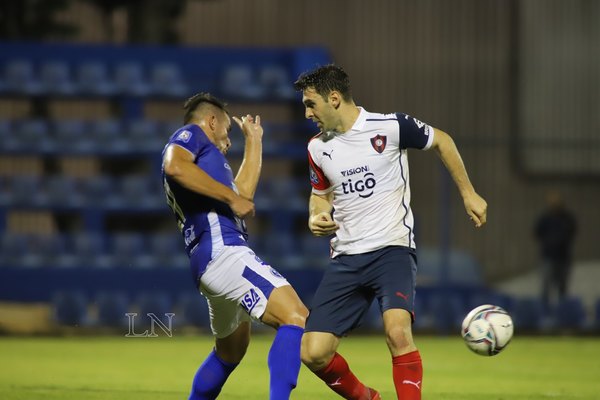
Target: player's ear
[335, 99]
[212, 122]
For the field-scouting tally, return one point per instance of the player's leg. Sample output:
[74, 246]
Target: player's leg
[229, 323]
[393, 277]
[407, 367]
[286, 313]
[220, 363]
[270, 298]
[338, 307]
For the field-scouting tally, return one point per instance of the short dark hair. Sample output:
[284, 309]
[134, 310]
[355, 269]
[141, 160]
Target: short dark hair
[199, 99]
[324, 80]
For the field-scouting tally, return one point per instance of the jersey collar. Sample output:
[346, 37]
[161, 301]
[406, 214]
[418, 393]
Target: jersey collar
[360, 121]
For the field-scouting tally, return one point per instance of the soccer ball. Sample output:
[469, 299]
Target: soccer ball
[487, 330]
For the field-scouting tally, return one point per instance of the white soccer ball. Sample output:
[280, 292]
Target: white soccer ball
[487, 330]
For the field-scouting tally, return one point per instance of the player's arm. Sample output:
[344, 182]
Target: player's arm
[320, 222]
[178, 164]
[249, 172]
[446, 149]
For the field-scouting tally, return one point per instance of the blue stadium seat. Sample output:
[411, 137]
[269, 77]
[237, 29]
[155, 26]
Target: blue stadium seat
[63, 191]
[167, 80]
[12, 249]
[108, 136]
[128, 249]
[93, 79]
[490, 297]
[56, 78]
[43, 250]
[277, 83]
[447, 310]
[596, 322]
[144, 135]
[157, 303]
[195, 310]
[142, 191]
[112, 307]
[27, 190]
[239, 81]
[19, 78]
[70, 308]
[570, 314]
[71, 136]
[168, 250]
[100, 191]
[33, 136]
[130, 79]
[92, 250]
[528, 315]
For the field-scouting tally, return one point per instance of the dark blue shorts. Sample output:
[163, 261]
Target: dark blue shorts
[353, 281]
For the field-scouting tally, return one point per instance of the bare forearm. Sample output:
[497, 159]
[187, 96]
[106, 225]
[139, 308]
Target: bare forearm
[249, 172]
[320, 204]
[195, 179]
[448, 153]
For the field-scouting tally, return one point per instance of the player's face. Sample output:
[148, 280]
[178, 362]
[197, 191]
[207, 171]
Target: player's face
[222, 129]
[319, 110]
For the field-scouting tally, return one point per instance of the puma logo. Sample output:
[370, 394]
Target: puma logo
[336, 383]
[404, 296]
[328, 154]
[415, 384]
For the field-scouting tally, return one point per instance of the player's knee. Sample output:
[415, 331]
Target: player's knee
[315, 356]
[296, 316]
[399, 338]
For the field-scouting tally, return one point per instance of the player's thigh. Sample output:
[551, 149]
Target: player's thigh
[318, 348]
[340, 301]
[238, 285]
[392, 276]
[284, 307]
[232, 348]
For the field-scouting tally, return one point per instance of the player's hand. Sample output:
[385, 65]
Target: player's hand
[242, 207]
[476, 208]
[322, 224]
[250, 126]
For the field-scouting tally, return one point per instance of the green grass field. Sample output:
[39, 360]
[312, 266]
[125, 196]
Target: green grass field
[110, 368]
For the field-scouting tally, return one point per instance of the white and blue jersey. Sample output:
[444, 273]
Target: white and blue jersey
[207, 225]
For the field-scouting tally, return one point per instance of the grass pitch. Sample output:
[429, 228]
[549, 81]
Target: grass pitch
[111, 368]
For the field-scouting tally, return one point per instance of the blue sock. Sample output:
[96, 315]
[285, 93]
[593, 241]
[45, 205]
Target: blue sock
[210, 378]
[284, 361]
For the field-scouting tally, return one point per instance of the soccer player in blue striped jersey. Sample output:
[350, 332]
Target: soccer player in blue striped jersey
[361, 194]
[210, 205]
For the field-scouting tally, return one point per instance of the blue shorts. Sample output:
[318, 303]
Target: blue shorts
[352, 282]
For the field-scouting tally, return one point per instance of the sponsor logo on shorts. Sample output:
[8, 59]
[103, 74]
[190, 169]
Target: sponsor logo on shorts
[250, 300]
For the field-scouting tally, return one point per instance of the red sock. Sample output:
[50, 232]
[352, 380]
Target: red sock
[340, 379]
[408, 375]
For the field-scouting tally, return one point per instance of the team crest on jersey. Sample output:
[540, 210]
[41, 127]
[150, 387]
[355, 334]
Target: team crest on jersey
[184, 136]
[314, 178]
[378, 142]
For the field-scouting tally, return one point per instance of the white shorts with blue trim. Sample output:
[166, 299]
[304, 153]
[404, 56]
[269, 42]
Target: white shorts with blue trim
[237, 285]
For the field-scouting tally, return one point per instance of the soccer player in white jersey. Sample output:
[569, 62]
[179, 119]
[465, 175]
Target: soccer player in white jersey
[359, 175]
[209, 205]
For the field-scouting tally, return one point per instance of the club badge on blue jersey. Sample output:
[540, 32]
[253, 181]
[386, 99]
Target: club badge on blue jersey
[378, 142]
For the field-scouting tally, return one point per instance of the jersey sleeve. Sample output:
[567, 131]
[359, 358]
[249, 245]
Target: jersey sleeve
[193, 140]
[318, 180]
[414, 134]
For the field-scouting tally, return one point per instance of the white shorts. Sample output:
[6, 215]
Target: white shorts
[237, 285]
